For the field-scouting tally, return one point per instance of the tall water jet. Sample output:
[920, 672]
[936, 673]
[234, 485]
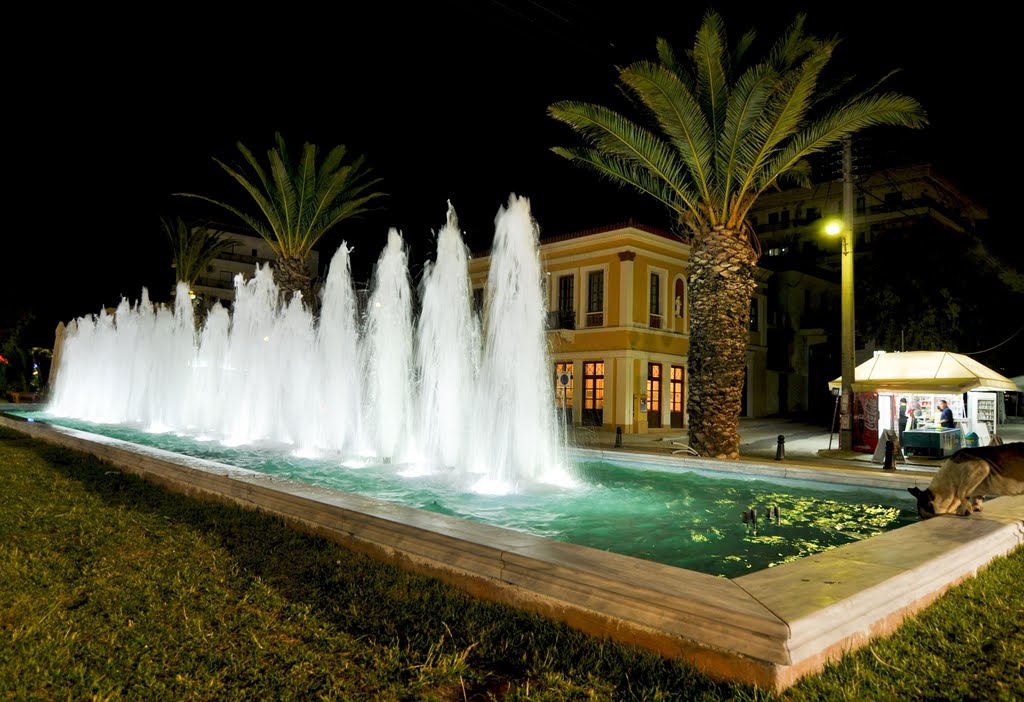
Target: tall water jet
[253, 370]
[389, 351]
[340, 392]
[516, 422]
[209, 382]
[448, 350]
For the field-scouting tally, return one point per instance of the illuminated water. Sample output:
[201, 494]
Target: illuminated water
[691, 519]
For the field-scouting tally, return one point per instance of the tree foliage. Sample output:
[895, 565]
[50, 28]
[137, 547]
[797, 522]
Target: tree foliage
[192, 248]
[297, 202]
[715, 131]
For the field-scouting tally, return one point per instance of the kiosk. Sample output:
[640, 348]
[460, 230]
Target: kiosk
[925, 378]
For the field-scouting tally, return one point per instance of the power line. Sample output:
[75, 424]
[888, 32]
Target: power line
[1007, 340]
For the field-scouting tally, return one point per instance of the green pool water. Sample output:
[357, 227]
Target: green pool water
[689, 518]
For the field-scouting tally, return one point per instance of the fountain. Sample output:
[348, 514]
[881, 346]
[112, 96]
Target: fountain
[395, 388]
[429, 405]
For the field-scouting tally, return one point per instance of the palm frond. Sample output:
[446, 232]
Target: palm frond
[889, 109]
[747, 103]
[785, 114]
[678, 114]
[192, 249]
[628, 173]
[264, 202]
[747, 40]
[298, 202]
[709, 51]
[622, 139]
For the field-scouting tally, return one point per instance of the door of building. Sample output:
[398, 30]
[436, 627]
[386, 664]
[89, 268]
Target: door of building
[593, 393]
[677, 404]
[654, 395]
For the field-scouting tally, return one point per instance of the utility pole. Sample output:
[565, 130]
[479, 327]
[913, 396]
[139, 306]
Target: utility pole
[848, 345]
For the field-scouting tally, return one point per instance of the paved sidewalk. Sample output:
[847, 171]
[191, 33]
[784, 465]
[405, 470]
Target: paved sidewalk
[804, 444]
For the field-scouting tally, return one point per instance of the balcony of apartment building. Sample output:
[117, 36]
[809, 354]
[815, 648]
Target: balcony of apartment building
[889, 207]
[218, 282]
[561, 319]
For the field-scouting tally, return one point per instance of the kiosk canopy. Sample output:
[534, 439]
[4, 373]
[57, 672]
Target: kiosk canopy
[924, 371]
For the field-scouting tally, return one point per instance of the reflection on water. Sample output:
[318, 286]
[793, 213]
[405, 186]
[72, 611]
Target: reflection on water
[694, 520]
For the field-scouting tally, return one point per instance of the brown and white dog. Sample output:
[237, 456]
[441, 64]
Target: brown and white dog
[963, 481]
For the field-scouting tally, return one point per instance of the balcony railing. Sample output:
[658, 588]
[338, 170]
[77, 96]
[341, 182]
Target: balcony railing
[655, 321]
[904, 206]
[216, 283]
[561, 319]
[243, 258]
[595, 319]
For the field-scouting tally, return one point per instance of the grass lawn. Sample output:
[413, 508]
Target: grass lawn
[113, 589]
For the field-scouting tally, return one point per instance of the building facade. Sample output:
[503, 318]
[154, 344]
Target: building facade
[803, 296]
[791, 223]
[618, 327]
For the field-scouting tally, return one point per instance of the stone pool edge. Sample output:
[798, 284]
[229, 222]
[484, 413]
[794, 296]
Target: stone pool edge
[769, 628]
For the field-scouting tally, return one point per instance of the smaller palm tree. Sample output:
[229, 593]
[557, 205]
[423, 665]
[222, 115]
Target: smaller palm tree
[298, 203]
[192, 248]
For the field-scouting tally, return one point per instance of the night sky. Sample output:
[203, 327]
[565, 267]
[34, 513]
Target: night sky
[109, 115]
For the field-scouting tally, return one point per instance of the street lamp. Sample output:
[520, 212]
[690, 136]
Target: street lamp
[847, 356]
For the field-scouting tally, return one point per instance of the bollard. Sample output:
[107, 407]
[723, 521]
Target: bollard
[618, 437]
[780, 450]
[889, 464]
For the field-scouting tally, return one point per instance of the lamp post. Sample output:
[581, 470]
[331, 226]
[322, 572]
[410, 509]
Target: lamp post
[847, 355]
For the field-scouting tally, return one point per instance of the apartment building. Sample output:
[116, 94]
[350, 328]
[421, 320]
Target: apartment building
[804, 307]
[791, 223]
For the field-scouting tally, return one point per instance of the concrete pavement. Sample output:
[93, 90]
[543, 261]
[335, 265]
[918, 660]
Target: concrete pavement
[804, 444]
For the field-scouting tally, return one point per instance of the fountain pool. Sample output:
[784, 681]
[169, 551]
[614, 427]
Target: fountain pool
[434, 405]
[686, 517]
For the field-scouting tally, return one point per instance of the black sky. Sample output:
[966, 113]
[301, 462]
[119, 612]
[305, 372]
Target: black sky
[110, 115]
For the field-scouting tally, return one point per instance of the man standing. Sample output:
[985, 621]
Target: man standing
[945, 415]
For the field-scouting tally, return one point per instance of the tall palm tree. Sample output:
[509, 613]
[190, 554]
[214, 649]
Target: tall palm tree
[192, 249]
[717, 132]
[298, 203]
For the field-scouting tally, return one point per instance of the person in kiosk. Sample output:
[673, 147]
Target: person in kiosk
[906, 418]
[946, 416]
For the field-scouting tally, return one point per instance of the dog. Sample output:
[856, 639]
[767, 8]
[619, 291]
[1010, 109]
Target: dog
[968, 476]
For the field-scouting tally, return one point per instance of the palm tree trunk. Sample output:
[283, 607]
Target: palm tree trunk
[292, 275]
[721, 286]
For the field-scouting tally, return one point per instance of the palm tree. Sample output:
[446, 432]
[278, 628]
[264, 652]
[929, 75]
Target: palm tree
[719, 131]
[298, 203]
[192, 249]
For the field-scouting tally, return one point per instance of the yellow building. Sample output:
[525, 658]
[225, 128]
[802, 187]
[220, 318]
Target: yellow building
[618, 326]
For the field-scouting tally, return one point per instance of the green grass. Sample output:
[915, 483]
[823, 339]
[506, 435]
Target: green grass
[113, 589]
